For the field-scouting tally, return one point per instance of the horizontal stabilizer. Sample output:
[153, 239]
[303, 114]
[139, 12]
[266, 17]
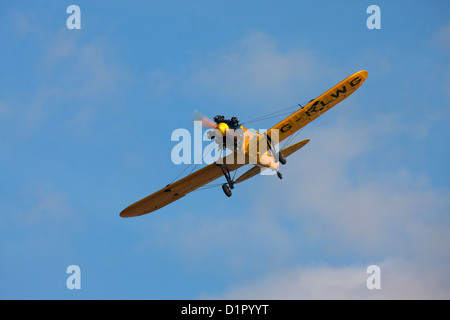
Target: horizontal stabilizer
[286, 153]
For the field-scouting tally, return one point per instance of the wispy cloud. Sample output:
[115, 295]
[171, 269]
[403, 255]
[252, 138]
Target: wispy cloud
[255, 68]
[442, 38]
[365, 207]
[5, 110]
[38, 221]
[50, 206]
[397, 219]
[333, 203]
[252, 69]
[441, 41]
[75, 77]
[23, 25]
[399, 279]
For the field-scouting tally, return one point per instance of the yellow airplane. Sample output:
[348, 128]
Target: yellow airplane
[246, 150]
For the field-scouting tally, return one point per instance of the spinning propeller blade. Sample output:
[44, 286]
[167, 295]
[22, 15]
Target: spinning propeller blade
[205, 121]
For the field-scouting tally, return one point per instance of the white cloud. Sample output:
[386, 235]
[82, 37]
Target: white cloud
[52, 206]
[399, 280]
[37, 222]
[239, 240]
[397, 218]
[82, 69]
[5, 110]
[41, 206]
[23, 25]
[442, 38]
[74, 79]
[381, 210]
[256, 69]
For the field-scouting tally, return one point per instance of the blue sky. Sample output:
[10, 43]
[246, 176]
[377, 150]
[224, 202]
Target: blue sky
[86, 118]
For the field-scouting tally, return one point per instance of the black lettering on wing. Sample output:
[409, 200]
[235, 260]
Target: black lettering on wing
[343, 91]
[285, 128]
[355, 81]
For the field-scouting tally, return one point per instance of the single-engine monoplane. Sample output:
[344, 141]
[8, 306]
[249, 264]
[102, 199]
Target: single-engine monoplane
[247, 147]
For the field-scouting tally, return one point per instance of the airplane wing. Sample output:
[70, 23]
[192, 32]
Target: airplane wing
[180, 188]
[318, 106]
[286, 152]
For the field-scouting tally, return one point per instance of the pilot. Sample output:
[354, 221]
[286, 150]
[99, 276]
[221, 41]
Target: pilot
[234, 121]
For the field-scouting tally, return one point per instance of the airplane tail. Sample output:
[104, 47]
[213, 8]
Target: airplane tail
[286, 153]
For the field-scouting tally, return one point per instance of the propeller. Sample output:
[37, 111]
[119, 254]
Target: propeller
[205, 121]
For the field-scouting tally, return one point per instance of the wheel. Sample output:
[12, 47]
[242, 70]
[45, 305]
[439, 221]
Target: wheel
[281, 158]
[226, 190]
[279, 175]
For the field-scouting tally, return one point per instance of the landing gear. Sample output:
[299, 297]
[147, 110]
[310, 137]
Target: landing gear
[279, 175]
[226, 187]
